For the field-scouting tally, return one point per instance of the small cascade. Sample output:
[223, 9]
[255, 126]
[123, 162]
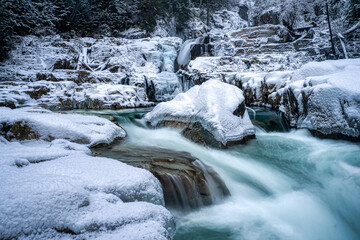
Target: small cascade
[180, 192]
[217, 187]
[190, 50]
[269, 121]
[187, 182]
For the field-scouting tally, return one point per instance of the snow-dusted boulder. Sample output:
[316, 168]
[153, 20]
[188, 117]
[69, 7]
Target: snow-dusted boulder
[68, 194]
[218, 107]
[328, 97]
[30, 123]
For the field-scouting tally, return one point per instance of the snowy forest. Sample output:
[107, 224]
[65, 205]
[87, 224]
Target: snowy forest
[180, 119]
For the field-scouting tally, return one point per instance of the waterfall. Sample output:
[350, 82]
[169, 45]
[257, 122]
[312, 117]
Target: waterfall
[184, 56]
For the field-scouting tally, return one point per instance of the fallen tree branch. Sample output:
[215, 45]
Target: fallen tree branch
[341, 37]
[353, 28]
[85, 65]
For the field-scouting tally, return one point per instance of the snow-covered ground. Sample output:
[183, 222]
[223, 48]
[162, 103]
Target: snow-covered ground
[216, 105]
[52, 188]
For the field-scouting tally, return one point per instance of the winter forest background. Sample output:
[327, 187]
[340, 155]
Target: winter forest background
[90, 18]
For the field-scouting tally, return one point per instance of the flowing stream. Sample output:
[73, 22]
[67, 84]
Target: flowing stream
[284, 184]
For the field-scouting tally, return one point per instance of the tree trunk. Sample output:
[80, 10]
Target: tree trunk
[331, 36]
[207, 13]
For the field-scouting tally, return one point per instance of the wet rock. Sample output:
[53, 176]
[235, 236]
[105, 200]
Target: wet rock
[46, 77]
[64, 64]
[187, 182]
[243, 12]
[8, 104]
[198, 134]
[19, 130]
[268, 17]
[83, 76]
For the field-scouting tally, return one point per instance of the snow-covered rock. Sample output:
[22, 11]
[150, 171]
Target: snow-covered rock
[30, 123]
[121, 65]
[320, 96]
[328, 96]
[68, 194]
[67, 95]
[217, 106]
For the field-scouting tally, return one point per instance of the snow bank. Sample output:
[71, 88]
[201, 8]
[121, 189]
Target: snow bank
[313, 69]
[213, 105]
[69, 194]
[47, 125]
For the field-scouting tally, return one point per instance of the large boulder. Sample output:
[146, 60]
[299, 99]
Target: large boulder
[214, 111]
[328, 97]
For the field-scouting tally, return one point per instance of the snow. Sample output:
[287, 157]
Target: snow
[68, 190]
[77, 128]
[323, 68]
[212, 104]
[53, 188]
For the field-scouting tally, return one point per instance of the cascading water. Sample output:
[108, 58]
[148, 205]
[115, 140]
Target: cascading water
[283, 185]
[184, 55]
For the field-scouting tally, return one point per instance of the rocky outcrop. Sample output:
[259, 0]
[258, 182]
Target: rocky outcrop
[211, 112]
[187, 182]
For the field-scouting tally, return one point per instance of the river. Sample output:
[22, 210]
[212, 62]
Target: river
[285, 184]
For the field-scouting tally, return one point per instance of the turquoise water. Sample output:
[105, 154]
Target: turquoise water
[284, 185]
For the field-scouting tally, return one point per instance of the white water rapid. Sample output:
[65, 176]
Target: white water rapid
[283, 185]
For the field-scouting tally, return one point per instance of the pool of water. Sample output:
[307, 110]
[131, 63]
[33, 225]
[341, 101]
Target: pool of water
[285, 184]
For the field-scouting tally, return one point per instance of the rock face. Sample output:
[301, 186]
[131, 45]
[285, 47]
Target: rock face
[187, 182]
[214, 106]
